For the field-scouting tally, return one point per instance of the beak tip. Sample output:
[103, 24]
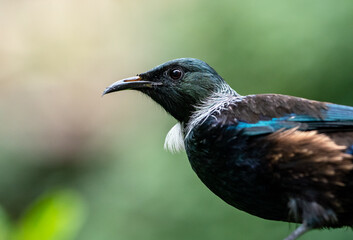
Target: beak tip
[108, 90]
[105, 92]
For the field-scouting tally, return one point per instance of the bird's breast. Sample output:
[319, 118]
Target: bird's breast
[237, 178]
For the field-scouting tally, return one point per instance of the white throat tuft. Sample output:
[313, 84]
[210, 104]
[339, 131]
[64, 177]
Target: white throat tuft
[215, 103]
[174, 141]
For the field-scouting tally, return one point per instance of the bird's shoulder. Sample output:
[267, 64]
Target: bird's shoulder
[254, 108]
[267, 113]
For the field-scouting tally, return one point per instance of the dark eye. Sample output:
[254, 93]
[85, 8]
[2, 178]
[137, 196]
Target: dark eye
[176, 73]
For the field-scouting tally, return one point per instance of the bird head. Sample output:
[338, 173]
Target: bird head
[177, 85]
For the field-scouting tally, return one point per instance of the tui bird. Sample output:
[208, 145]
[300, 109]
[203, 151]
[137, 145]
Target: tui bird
[274, 156]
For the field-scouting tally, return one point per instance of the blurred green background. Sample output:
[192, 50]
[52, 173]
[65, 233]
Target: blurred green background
[75, 166]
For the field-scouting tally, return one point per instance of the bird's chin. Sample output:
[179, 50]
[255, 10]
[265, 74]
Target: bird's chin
[130, 83]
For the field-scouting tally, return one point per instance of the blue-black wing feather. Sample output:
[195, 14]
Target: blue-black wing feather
[299, 113]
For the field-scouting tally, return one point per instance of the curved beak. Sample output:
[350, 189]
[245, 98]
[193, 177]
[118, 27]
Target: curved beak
[130, 83]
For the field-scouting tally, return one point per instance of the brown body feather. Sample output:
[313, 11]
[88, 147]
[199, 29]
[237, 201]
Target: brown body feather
[317, 174]
[253, 108]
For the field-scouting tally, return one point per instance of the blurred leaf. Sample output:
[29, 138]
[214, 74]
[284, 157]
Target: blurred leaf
[55, 216]
[4, 225]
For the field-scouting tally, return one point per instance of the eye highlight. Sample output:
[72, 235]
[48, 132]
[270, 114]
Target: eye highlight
[176, 73]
